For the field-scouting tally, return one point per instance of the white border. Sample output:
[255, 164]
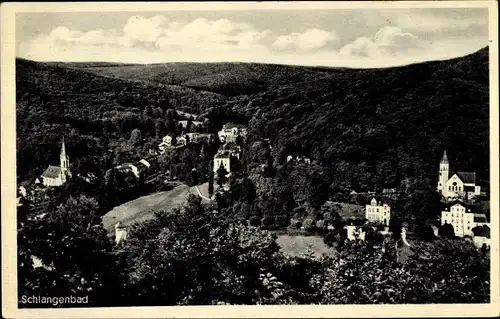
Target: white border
[8, 176]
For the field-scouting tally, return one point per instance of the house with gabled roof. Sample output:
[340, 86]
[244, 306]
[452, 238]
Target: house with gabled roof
[481, 236]
[459, 185]
[57, 175]
[378, 210]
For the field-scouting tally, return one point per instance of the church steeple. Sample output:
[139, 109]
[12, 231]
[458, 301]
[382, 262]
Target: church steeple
[64, 160]
[63, 148]
[444, 160]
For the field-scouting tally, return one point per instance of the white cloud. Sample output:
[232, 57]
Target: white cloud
[159, 39]
[388, 41]
[309, 40]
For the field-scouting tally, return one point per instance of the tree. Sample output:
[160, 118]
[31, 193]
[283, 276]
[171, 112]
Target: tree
[447, 230]
[73, 249]
[222, 176]
[171, 121]
[135, 137]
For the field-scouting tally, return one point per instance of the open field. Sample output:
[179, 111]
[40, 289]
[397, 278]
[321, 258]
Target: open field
[144, 207]
[297, 245]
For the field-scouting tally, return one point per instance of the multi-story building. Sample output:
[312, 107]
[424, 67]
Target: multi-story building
[463, 218]
[230, 132]
[378, 211]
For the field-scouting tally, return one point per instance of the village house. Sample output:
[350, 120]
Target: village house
[127, 167]
[222, 159]
[197, 137]
[88, 177]
[120, 233]
[233, 149]
[481, 236]
[184, 124]
[58, 175]
[169, 142]
[462, 217]
[379, 211]
[299, 159]
[460, 185]
[165, 144]
[355, 232]
[230, 132]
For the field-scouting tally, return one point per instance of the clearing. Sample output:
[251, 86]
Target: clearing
[297, 245]
[143, 208]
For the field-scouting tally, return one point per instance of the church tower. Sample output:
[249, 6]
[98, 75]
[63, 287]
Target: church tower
[444, 171]
[65, 172]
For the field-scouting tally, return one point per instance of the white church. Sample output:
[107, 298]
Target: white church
[58, 175]
[461, 185]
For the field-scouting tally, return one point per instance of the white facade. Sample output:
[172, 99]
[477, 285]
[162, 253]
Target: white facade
[230, 132]
[120, 233]
[57, 175]
[480, 240]
[355, 231]
[224, 161]
[459, 185]
[461, 218]
[129, 167]
[165, 144]
[378, 211]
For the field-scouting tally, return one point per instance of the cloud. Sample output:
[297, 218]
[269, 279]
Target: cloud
[309, 40]
[388, 41]
[160, 39]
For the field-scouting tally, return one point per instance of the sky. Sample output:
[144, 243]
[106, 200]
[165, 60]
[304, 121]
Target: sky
[326, 37]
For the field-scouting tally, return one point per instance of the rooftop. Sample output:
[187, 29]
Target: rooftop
[482, 231]
[52, 172]
[467, 177]
[480, 218]
[223, 154]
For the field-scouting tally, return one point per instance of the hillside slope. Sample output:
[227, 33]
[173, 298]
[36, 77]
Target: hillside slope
[377, 127]
[371, 127]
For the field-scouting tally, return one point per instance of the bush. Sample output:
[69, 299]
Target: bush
[269, 222]
[321, 224]
[282, 221]
[309, 224]
[255, 221]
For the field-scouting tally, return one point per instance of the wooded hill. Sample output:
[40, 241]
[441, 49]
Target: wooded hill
[371, 127]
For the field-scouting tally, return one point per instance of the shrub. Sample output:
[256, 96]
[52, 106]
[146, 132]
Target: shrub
[254, 221]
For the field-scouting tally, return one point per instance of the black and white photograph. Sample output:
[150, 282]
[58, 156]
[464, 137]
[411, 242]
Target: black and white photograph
[251, 154]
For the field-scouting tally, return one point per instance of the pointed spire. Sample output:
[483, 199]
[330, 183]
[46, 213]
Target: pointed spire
[444, 160]
[63, 147]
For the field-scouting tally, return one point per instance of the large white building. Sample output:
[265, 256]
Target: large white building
[223, 159]
[58, 175]
[459, 185]
[463, 218]
[230, 132]
[378, 211]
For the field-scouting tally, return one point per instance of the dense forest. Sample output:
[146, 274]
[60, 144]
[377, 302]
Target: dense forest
[372, 128]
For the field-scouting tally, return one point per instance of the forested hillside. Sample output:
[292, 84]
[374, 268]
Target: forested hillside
[370, 127]
[376, 127]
